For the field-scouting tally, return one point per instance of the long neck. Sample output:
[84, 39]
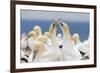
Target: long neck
[66, 36]
[40, 32]
[53, 38]
[77, 41]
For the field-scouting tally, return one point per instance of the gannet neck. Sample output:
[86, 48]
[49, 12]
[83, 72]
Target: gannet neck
[65, 30]
[66, 36]
[53, 37]
[40, 32]
[52, 32]
[78, 41]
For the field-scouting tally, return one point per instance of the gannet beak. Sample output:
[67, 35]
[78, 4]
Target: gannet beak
[62, 24]
[63, 27]
[54, 25]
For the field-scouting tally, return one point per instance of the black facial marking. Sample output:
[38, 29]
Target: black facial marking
[26, 55]
[61, 46]
[54, 25]
[61, 24]
[23, 59]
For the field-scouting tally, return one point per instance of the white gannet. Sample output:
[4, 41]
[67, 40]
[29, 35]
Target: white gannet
[68, 50]
[53, 37]
[84, 47]
[25, 47]
[32, 35]
[43, 51]
[39, 48]
[49, 54]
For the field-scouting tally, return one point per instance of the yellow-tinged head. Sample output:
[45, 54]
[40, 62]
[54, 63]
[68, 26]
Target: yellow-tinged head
[39, 46]
[47, 34]
[64, 27]
[75, 37]
[43, 38]
[33, 34]
[37, 29]
[52, 29]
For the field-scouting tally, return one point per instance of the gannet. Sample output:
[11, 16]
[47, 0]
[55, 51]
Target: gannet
[81, 46]
[68, 50]
[48, 54]
[84, 47]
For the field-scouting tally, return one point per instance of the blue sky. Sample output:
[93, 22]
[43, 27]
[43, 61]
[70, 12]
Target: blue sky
[78, 22]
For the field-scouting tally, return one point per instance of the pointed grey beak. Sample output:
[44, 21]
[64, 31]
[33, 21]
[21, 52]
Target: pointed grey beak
[54, 25]
[61, 24]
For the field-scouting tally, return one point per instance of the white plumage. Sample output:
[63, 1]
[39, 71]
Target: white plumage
[24, 41]
[75, 39]
[50, 47]
[68, 50]
[84, 47]
[49, 53]
[81, 46]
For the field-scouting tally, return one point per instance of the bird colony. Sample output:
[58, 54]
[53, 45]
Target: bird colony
[49, 46]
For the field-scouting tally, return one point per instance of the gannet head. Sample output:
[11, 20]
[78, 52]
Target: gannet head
[43, 38]
[37, 29]
[47, 34]
[75, 37]
[64, 27]
[40, 38]
[52, 28]
[32, 34]
[38, 46]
